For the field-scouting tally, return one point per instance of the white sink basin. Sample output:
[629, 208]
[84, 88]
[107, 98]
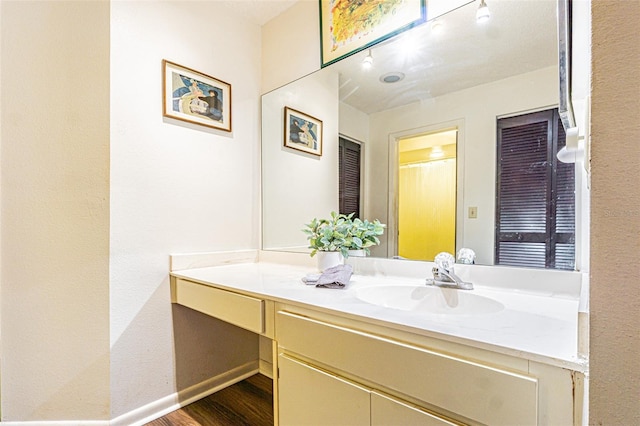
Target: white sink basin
[434, 300]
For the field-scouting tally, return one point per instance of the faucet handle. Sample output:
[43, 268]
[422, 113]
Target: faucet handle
[445, 261]
[466, 256]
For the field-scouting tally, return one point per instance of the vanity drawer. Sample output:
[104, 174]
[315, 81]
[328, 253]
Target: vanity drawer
[470, 389]
[243, 311]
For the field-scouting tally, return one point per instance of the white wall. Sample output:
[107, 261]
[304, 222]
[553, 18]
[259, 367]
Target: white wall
[55, 210]
[176, 188]
[98, 189]
[478, 108]
[291, 45]
[353, 123]
[285, 171]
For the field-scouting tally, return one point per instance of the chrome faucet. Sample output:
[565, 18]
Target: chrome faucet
[443, 275]
[443, 278]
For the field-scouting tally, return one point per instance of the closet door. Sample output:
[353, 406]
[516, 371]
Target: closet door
[310, 396]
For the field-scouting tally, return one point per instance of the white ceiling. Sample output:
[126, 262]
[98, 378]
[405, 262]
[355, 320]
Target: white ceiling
[257, 11]
[521, 36]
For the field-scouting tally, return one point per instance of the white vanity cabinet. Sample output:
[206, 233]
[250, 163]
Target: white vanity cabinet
[335, 368]
[456, 387]
[444, 385]
[311, 396]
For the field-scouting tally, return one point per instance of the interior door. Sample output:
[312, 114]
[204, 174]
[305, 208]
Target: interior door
[427, 192]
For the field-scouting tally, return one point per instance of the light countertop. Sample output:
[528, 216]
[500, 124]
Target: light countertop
[536, 327]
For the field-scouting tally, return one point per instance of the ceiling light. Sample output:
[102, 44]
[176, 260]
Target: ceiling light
[391, 77]
[483, 14]
[367, 62]
[436, 152]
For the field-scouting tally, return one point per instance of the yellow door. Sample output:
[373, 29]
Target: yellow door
[427, 197]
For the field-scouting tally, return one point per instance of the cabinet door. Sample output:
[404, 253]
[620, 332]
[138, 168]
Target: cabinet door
[473, 390]
[386, 411]
[309, 396]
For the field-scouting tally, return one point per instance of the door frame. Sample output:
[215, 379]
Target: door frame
[392, 196]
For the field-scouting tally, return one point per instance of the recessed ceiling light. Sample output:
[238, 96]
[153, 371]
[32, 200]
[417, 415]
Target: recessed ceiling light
[391, 77]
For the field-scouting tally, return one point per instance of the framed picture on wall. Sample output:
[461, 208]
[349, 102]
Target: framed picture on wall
[348, 27]
[302, 131]
[194, 97]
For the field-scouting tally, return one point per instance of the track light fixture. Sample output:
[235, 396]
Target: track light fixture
[367, 62]
[483, 14]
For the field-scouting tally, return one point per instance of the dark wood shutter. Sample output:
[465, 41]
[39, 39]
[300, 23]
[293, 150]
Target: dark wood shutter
[349, 183]
[535, 203]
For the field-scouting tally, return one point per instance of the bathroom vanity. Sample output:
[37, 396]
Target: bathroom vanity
[386, 349]
[491, 355]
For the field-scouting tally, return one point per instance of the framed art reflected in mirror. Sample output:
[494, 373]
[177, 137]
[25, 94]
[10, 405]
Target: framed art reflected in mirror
[348, 27]
[302, 132]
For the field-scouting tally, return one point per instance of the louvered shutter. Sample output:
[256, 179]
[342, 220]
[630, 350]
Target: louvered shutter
[349, 169]
[535, 203]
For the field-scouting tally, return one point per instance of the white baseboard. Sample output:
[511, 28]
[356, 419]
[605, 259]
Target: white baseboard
[170, 403]
[162, 406]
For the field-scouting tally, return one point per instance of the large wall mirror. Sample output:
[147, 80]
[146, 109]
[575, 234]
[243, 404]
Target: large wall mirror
[428, 111]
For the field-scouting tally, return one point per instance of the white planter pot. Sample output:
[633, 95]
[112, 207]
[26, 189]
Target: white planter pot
[357, 253]
[327, 259]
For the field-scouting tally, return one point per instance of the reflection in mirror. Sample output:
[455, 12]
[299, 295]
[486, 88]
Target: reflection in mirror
[459, 80]
[426, 171]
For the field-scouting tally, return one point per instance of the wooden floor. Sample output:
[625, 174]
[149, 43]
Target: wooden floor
[247, 403]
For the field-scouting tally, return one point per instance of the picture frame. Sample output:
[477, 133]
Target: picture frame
[302, 132]
[346, 29]
[194, 97]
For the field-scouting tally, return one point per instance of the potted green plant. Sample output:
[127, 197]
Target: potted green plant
[362, 235]
[341, 236]
[328, 239]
